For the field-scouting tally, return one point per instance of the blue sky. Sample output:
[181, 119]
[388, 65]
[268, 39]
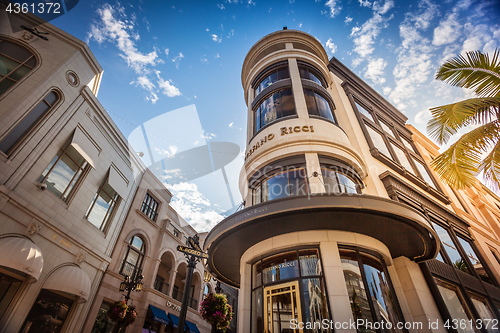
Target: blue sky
[174, 67]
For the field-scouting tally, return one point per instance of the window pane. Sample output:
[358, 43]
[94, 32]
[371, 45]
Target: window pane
[324, 108]
[450, 248]
[378, 141]
[314, 78]
[280, 267]
[7, 65]
[278, 186]
[257, 307]
[484, 312]
[61, 175]
[407, 144]
[14, 50]
[330, 180]
[22, 128]
[51, 98]
[356, 288]
[48, 313]
[311, 102]
[257, 274]
[423, 172]
[20, 72]
[137, 243]
[8, 289]
[99, 212]
[402, 158]
[287, 103]
[381, 294]
[5, 84]
[455, 306]
[309, 262]
[297, 184]
[474, 260]
[270, 112]
[256, 195]
[348, 185]
[386, 128]
[283, 74]
[364, 111]
[315, 301]
[102, 323]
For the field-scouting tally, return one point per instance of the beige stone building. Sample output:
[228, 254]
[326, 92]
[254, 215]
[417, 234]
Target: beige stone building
[78, 209]
[345, 227]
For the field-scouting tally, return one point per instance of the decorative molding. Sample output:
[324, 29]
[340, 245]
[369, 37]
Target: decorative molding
[81, 257]
[33, 228]
[397, 188]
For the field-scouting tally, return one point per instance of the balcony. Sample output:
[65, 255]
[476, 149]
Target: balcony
[177, 295]
[161, 285]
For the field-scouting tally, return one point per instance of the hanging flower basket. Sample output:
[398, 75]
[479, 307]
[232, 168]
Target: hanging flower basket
[121, 313]
[216, 311]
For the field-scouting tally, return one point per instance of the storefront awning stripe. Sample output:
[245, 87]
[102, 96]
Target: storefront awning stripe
[21, 254]
[160, 315]
[192, 327]
[174, 319]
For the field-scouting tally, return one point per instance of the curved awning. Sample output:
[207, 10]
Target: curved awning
[70, 279]
[160, 315]
[21, 254]
[402, 229]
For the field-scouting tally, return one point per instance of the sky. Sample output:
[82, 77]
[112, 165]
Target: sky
[172, 72]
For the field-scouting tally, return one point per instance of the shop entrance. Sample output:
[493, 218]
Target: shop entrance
[281, 305]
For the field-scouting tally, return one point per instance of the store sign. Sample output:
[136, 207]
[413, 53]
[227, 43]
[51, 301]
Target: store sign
[174, 306]
[283, 131]
[280, 266]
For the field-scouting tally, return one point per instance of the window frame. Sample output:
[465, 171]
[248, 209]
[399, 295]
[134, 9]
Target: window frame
[110, 213]
[141, 252]
[84, 171]
[398, 137]
[312, 69]
[258, 183]
[157, 209]
[34, 55]
[328, 100]
[262, 99]
[276, 67]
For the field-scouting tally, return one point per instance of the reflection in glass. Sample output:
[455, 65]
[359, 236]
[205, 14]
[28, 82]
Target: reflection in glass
[257, 308]
[315, 302]
[8, 289]
[133, 257]
[102, 323]
[48, 313]
[282, 184]
[63, 172]
[308, 74]
[102, 205]
[337, 181]
[484, 312]
[402, 158]
[471, 254]
[364, 112]
[15, 62]
[280, 104]
[378, 141]
[280, 267]
[386, 128]
[275, 76]
[424, 173]
[317, 105]
[309, 262]
[451, 250]
[455, 305]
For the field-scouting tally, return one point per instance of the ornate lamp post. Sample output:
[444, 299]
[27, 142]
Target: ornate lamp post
[130, 285]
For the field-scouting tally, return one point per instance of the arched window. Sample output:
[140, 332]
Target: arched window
[317, 105]
[28, 122]
[134, 256]
[206, 290]
[15, 62]
[308, 73]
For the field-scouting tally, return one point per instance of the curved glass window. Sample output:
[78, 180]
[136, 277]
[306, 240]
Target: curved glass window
[272, 77]
[280, 104]
[308, 74]
[15, 62]
[370, 292]
[28, 122]
[337, 181]
[317, 105]
[282, 184]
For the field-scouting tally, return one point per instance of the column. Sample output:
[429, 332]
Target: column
[171, 281]
[298, 92]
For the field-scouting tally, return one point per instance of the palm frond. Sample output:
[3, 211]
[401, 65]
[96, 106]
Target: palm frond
[474, 70]
[461, 162]
[448, 119]
[491, 168]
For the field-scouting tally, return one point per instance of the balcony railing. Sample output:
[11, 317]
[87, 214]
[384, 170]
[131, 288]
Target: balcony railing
[177, 295]
[161, 285]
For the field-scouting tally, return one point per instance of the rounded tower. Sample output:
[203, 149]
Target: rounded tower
[316, 239]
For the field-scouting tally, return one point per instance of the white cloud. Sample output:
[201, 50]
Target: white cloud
[115, 27]
[386, 90]
[204, 60]
[217, 56]
[190, 203]
[375, 70]
[221, 6]
[145, 83]
[448, 31]
[365, 3]
[231, 124]
[216, 38]
[364, 36]
[169, 153]
[208, 136]
[347, 20]
[334, 8]
[178, 59]
[331, 47]
[422, 117]
[167, 88]
[167, 51]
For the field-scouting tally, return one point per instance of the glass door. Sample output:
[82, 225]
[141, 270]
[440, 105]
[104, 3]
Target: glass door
[281, 306]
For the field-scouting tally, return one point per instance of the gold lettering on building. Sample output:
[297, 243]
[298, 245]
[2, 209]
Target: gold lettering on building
[62, 241]
[296, 129]
[259, 144]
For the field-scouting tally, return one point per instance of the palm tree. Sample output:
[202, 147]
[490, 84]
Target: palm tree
[463, 160]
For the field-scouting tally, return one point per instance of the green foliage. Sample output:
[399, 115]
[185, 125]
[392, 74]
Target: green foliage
[462, 161]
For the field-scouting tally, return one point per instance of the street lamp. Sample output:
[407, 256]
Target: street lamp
[130, 285]
[207, 276]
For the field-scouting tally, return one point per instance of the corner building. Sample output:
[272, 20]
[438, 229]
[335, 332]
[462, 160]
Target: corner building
[328, 231]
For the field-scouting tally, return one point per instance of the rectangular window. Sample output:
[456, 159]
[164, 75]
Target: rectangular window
[449, 246]
[423, 171]
[150, 207]
[364, 112]
[101, 208]
[102, 323]
[456, 306]
[63, 172]
[474, 259]
[485, 313]
[28, 122]
[8, 289]
[403, 159]
[378, 141]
